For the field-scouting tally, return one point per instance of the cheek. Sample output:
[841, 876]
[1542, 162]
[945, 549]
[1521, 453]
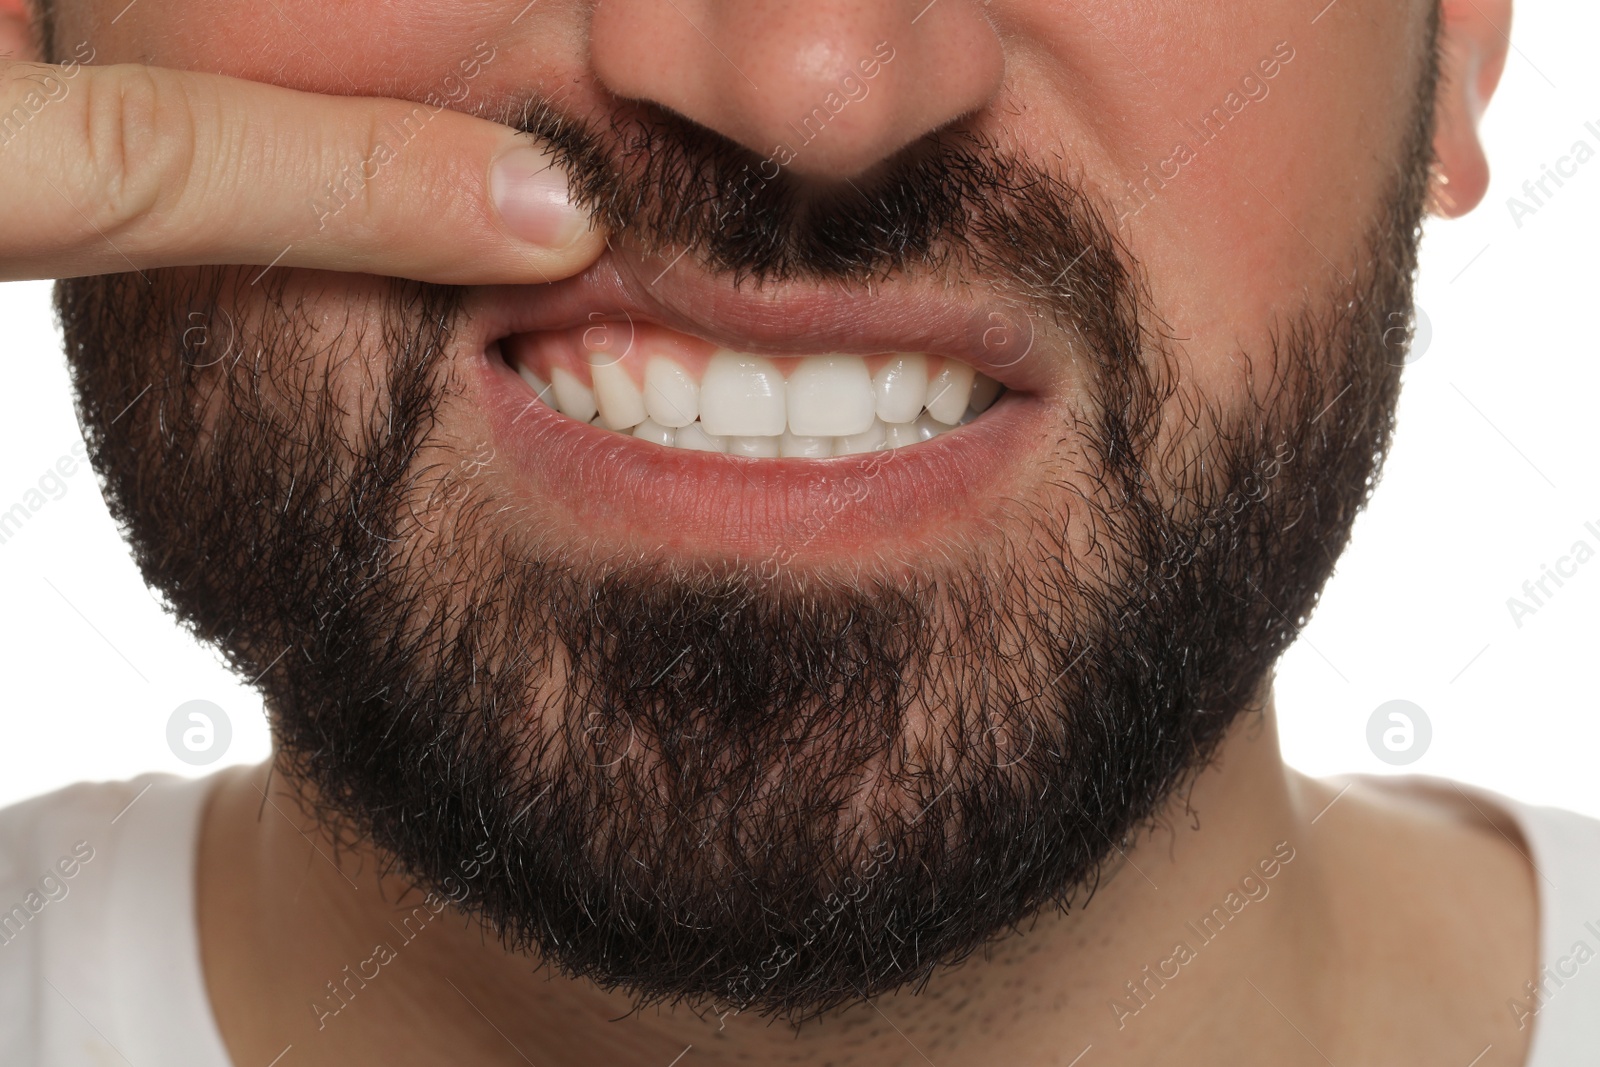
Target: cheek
[322, 338]
[1236, 208]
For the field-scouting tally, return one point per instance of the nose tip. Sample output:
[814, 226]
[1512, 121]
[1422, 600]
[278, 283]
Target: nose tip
[824, 87]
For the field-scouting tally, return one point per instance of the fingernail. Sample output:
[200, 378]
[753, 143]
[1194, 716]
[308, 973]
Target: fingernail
[531, 195]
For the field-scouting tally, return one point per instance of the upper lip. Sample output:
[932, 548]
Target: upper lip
[784, 318]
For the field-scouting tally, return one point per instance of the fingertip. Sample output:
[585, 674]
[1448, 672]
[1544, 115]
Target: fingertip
[533, 199]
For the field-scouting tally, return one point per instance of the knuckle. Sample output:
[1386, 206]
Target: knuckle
[139, 141]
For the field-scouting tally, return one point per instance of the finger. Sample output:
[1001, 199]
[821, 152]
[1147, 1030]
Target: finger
[118, 168]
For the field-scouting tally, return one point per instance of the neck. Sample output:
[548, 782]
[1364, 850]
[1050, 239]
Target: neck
[347, 965]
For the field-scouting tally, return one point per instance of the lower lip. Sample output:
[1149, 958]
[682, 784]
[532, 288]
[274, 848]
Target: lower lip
[640, 497]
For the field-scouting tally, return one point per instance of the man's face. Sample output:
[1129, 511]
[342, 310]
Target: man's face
[784, 731]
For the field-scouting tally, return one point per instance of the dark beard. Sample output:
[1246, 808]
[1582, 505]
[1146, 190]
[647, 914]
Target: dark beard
[704, 783]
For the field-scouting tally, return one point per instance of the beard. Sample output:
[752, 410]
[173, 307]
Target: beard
[710, 782]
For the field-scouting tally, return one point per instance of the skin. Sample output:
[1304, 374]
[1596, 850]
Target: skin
[127, 167]
[1401, 927]
[1395, 935]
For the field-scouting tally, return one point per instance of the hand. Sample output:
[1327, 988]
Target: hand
[115, 168]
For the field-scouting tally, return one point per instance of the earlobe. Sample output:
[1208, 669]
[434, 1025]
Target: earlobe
[1473, 45]
[16, 33]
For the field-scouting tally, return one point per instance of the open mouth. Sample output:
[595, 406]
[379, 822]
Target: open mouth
[678, 391]
[649, 413]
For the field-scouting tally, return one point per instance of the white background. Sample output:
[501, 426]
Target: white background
[1492, 476]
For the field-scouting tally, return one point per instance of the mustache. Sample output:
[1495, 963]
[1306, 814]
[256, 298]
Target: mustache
[954, 203]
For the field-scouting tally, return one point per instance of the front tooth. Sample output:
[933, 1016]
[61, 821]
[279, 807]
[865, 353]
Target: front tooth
[756, 447]
[572, 396]
[671, 396]
[743, 396]
[949, 392]
[652, 431]
[541, 388]
[830, 396]
[798, 447]
[984, 391]
[900, 434]
[619, 400]
[910, 433]
[695, 438]
[870, 440]
[901, 386]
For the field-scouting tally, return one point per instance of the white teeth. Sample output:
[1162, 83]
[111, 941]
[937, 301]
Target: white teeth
[620, 402]
[870, 440]
[572, 396]
[671, 396]
[695, 438]
[804, 447]
[742, 395]
[655, 433]
[984, 391]
[830, 396]
[757, 447]
[541, 388]
[901, 386]
[900, 434]
[743, 406]
[949, 392]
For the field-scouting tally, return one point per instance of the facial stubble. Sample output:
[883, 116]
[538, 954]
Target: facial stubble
[698, 782]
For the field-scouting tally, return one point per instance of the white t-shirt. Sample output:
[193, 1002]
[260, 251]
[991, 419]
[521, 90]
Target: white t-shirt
[100, 957]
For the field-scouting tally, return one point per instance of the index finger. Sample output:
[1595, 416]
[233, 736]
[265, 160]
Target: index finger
[106, 169]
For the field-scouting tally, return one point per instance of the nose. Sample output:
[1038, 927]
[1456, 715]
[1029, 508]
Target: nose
[833, 85]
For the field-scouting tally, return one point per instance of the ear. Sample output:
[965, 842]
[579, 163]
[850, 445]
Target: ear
[16, 32]
[1474, 38]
